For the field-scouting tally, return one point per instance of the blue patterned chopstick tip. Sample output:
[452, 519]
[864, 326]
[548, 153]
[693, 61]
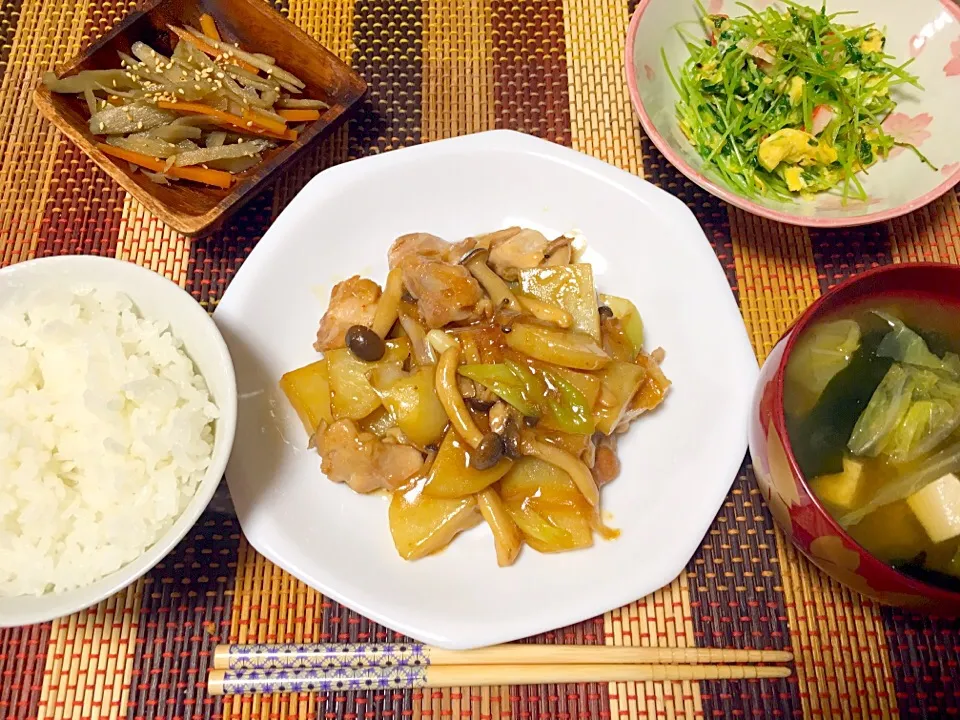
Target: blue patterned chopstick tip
[239, 682]
[329, 656]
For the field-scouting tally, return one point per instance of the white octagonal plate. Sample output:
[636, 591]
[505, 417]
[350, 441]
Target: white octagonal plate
[678, 463]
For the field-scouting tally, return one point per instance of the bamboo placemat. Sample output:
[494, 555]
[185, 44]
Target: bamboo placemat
[438, 68]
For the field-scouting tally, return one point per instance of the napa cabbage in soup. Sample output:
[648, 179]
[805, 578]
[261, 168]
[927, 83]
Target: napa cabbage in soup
[872, 400]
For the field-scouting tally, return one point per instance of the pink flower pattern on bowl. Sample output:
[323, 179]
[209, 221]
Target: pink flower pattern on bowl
[907, 129]
[953, 64]
[950, 168]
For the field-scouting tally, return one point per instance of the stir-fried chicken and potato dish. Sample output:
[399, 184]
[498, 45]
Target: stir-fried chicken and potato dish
[487, 381]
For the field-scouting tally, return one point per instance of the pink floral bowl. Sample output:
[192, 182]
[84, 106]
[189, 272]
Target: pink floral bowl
[793, 505]
[926, 30]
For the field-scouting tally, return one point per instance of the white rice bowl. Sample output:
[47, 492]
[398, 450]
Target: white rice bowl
[106, 429]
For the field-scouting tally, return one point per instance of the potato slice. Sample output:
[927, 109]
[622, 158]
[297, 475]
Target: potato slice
[560, 347]
[570, 287]
[573, 443]
[547, 506]
[413, 401]
[422, 525]
[451, 475]
[308, 390]
[353, 395]
[379, 422]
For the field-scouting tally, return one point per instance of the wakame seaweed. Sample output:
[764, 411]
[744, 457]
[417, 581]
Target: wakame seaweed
[820, 438]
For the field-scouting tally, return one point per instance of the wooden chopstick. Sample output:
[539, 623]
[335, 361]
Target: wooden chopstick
[301, 657]
[250, 682]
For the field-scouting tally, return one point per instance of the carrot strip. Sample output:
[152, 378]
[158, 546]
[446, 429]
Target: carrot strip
[264, 122]
[225, 118]
[209, 27]
[211, 50]
[207, 177]
[201, 109]
[299, 115]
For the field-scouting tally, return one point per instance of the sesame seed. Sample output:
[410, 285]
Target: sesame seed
[249, 123]
[181, 91]
[140, 125]
[220, 75]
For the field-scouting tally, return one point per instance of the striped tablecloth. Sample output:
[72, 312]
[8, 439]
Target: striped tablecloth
[438, 68]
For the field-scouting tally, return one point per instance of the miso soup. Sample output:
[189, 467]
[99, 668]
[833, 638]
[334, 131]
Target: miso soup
[872, 399]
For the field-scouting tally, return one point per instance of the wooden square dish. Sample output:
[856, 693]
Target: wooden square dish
[188, 207]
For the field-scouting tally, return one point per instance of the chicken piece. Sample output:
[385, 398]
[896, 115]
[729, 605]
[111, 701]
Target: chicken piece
[415, 247]
[363, 461]
[484, 242]
[445, 293]
[352, 302]
[524, 249]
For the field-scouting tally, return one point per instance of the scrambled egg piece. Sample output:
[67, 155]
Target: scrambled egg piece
[872, 42]
[710, 72]
[793, 177]
[796, 89]
[794, 146]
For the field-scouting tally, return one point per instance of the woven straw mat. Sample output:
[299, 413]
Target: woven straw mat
[438, 68]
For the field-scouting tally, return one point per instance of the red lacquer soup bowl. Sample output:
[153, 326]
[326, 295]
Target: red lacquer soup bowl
[793, 505]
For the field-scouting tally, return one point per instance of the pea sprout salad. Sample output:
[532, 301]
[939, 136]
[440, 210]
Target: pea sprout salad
[788, 103]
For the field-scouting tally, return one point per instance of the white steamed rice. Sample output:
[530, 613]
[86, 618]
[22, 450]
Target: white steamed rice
[106, 429]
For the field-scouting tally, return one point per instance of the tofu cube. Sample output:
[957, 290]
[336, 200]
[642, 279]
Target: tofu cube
[937, 507]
